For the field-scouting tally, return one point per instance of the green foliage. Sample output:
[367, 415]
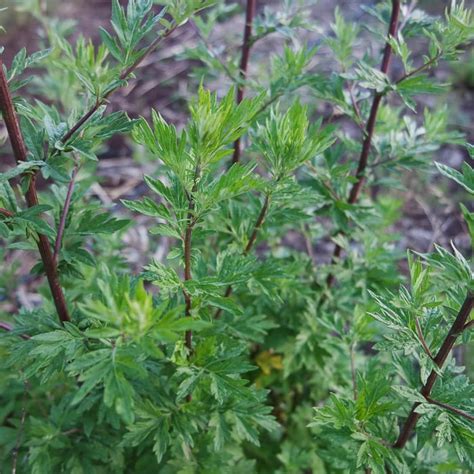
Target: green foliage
[236, 347]
[286, 142]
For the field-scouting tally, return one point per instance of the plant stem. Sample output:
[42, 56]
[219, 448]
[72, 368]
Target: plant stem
[7, 327]
[124, 75]
[188, 235]
[6, 212]
[356, 108]
[253, 237]
[258, 225]
[422, 339]
[369, 130]
[451, 408]
[31, 196]
[244, 61]
[64, 213]
[456, 329]
[353, 370]
[370, 127]
[419, 69]
[335, 256]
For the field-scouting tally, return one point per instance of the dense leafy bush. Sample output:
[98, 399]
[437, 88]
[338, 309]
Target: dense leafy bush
[237, 351]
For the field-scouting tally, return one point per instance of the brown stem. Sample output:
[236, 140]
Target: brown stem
[85, 118]
[7, 327]
[308, 244]
[356, 108]
[424, 66]
[21, 154]
[253, 237]
[188, 235]
[335, 256]
[370, 127]
[258, 225]
[419, 332]
[244, 61]
[456, 329]
[451, 408]
[188, 276]
[64, 213]
[353, 371]
[124, 75]
[6, 212]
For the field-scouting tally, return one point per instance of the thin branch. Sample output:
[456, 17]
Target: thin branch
[308, 244]
[422, 339]
[258, 225]
[188, 253]
[353, 371]
[469, 325]
[330, 279]
[268, 103]
[7, 327]
[124, 75]
[21, 154]
[370, 127]
[456, 329]
[379, 163]
[153, 45]
[355, 106]
[244, 61]
[252, 239]
[459, 412]
[6, 212]
[419, 69]
[64, 213]
[71, 431]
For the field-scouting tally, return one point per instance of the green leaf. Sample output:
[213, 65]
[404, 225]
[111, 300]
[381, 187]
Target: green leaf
[166, 231]
[90, 223]
[21, 168]
[345, 38]
[286, 141]
[465, 179]
[119, 393]
[162, 440]
[416, 85]
[147, 207]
